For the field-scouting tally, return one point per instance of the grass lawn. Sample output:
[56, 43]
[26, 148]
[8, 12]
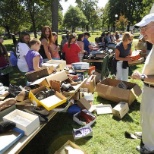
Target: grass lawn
[108, 132]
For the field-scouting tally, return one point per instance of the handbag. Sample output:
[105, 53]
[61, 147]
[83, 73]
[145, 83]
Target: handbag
[6, 70]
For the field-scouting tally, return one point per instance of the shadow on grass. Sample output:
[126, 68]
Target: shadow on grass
[56, 133]
[16, 77]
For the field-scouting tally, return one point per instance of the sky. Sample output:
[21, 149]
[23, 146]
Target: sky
[65, 5]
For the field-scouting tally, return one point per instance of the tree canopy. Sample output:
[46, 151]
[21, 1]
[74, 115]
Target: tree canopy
[31, 15]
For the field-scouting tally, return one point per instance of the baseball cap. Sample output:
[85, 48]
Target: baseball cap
[146, 20]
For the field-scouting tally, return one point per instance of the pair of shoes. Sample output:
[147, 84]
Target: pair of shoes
[87, 116]
[138, 134]
[82, 132]
[143, 150]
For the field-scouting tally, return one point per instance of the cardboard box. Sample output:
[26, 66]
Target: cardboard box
[120, 110]
[34, 75]
[81, 121]
[45, 81]
[108, 89]
[91, 70]
[61, 63]
[84, 104]
[55, 66]
[135, 62]
[24, 121]
[76, 148]
[50, 102]
[103, 109]
[80, 66]
[135, 55]
[90, 83]
[58, 76]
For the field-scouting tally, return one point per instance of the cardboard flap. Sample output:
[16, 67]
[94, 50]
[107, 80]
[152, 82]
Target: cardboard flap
[136, 90]
[58, 76]
[84, 104]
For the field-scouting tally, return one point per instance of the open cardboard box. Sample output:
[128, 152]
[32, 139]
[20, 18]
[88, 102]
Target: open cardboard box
[90, 83]
[63, 149]
[24, 121]
[108, 89]
[50, 102]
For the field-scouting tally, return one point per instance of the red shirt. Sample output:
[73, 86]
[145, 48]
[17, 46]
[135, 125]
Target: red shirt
[71, 53]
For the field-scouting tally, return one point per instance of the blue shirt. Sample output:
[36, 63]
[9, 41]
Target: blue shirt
[123, 52]
[29, 59]
[86, 45]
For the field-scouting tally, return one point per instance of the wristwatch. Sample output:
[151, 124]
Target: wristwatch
[142, 77]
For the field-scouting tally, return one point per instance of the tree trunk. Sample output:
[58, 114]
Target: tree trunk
[128, 27]
[54, 9]
[34, 26]
[8, 31]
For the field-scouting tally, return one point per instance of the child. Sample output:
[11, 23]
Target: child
[33, 58]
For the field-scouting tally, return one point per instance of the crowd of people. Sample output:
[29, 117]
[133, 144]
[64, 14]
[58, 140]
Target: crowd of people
[73, 48]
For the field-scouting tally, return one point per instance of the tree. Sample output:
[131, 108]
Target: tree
[88, 7]
[73, 18]
[133, 10]
[12, 15]
[121, 23]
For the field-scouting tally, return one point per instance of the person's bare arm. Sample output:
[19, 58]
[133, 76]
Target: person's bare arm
[146, 78]
[46, 48]
[36, 61]
[117, 54]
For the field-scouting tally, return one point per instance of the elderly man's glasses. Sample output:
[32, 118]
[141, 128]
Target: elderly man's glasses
[144, 28]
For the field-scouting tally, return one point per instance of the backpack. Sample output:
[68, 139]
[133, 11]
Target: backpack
[13, 58]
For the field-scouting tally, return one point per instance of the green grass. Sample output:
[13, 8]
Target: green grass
[108, 132]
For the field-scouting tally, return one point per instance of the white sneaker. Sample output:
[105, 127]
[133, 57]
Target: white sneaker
[138, 134]
[143, 150]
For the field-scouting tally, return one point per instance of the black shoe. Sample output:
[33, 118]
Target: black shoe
[6, 126]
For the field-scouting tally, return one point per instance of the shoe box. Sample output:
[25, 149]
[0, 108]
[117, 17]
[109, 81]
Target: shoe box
[48, 103]
[90, 83]
[120, 110]
[24, 121]
[80, 66]
[34, 75]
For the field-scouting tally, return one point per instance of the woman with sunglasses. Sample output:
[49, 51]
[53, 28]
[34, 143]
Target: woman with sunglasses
[122, 56]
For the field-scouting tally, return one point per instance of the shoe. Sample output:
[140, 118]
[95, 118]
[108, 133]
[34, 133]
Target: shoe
[138, 134]
[82, 132]
[129, 135]
[143, 150]
[6, 126]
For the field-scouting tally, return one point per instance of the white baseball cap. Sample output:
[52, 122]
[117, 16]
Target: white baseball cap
[146, 20]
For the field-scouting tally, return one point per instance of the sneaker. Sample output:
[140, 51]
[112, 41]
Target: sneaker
[138, 134]
[143, 150]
